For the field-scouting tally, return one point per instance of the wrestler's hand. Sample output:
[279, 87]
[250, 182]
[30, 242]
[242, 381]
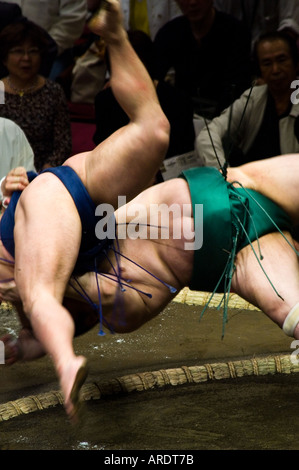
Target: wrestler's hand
[9, 292]
[24, 348]
[12, 349]
[16, 180]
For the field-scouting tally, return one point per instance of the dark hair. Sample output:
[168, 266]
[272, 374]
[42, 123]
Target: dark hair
[19, 31]
[275, 36]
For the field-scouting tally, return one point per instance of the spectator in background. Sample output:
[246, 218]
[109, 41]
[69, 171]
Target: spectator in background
[262, 16]
[209, 52]
[10, 12]
[16, 159]
[148, 15]
[36, 104]
[15, 148]
[89, 67]
[264, 122]
[177, 107]
[64, 20]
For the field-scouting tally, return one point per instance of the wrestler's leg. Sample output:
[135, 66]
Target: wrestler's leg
[277, 178]
[47, 238]
[138, 149]
[280, 263]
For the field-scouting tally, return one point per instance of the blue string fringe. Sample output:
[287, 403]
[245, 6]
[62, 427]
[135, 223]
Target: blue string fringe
[123, 285]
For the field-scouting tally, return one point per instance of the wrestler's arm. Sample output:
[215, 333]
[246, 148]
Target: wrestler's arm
[277, 178]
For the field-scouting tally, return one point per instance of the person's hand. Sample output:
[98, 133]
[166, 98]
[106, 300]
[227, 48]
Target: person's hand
[9, 291]
[12, 349]
[16, 180]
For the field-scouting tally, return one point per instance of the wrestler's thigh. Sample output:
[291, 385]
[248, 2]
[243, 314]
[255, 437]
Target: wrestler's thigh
[47, 237]
[277, 273]
[278, 179]
[131, 151]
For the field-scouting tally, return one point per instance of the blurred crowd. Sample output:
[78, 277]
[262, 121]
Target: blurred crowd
[224, 71]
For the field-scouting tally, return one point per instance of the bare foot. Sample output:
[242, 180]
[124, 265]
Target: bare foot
[72, 379]
[108, 21]
[9, 291]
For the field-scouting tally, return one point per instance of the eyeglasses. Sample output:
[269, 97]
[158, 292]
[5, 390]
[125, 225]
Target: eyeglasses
[19, 52]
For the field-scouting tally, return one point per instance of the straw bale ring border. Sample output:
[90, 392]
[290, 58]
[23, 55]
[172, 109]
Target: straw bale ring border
[160, 379]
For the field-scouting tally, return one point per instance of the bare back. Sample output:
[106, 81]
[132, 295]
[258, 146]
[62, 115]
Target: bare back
[163, 230]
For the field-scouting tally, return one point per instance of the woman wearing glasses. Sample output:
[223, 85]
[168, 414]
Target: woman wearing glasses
[35, 103]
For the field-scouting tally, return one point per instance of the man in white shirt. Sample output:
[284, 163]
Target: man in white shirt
[15, 148]
[264, 121]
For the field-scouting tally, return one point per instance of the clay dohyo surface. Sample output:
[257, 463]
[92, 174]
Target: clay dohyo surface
[240, 414]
